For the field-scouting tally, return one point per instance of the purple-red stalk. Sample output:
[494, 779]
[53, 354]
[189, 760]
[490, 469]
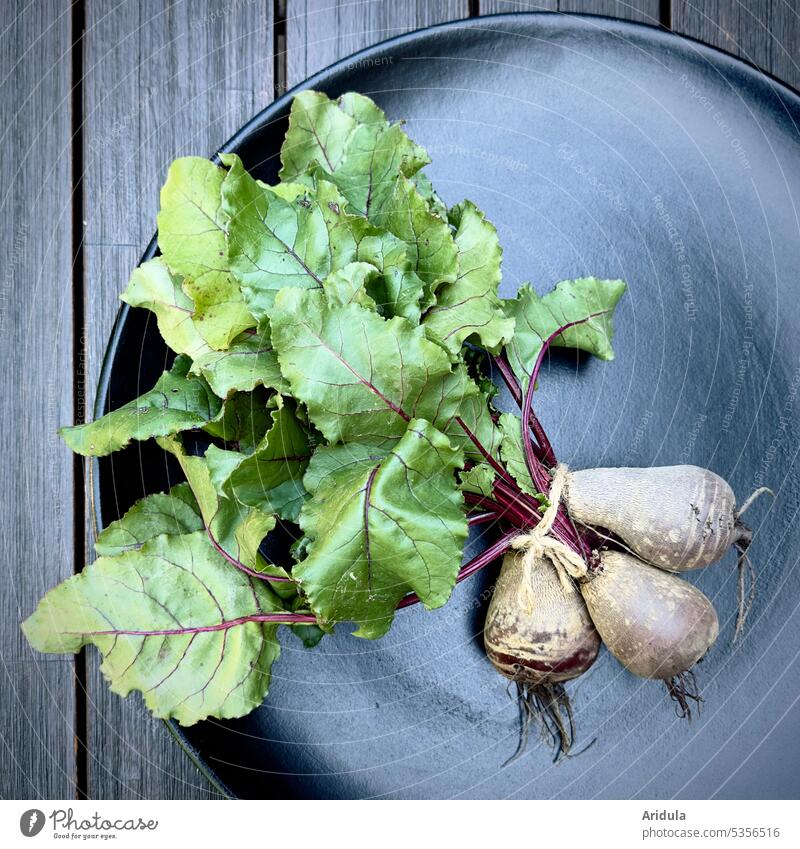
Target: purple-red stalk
[539, 475]
[276, 579]
[285, 618]
[484, 453]
[534, 466]
[482, 518]
[544, 450]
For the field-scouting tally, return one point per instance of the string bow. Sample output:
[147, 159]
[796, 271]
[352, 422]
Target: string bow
[539, 543]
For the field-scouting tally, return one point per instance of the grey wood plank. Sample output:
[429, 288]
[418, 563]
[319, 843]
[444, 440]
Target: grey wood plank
[764, 33]
[37, 703]
[784, 29]
[631, 10]
[496, 7]
[318, 32]
[162, 80]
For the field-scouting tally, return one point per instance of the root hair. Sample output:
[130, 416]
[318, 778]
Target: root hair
[548, 707]
[746, 583]
[682, 689]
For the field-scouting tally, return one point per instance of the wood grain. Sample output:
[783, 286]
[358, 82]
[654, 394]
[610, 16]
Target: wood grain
[764, 33]
[646, 11]
[36, 528]
[632, 10]
[319, 33]
[161, 80]
[498, 7]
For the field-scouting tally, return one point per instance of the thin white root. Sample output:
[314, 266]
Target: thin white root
[746, 588]
[748, 502]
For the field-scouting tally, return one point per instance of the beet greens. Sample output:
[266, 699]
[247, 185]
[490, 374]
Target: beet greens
[335, 337]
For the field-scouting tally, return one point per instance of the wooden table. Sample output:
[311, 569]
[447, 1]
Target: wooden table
[97, 98]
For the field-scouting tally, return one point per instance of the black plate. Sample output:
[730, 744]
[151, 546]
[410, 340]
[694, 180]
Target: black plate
[596, 147]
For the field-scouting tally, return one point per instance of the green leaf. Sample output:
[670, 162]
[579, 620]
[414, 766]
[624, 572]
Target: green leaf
[271, 477]
[513, 454]
[426, 190]
[178, 401]
[380, 529]
[319, 133]
[155, 288]
[328, 460]
[173, 620]
[249, 362]
[363, 378]
[398, 289]
[479, 479]
[469, 306]
[172, 513]
[191, 236]
[571, 300]
[244, 419]
[352, 144]
[430, 243]
[235, 529]
[349, 285]
[274, 242]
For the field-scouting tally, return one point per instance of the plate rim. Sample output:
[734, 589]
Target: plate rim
[274, 111]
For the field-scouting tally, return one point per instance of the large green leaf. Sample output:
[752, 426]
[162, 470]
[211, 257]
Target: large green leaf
[271, 477]
[179, 401]
[173, 620]
[363, 378]
[155, 288]
[319, 134]
[571, 300]
[172, 513]
[191, 236]
[380, 529]
[469, 306]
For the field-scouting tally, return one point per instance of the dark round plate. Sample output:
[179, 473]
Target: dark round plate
[596, 147]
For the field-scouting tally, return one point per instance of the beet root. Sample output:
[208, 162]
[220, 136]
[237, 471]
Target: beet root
[678, 518]
[656, 624]
[538, 634]
[675, 517]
